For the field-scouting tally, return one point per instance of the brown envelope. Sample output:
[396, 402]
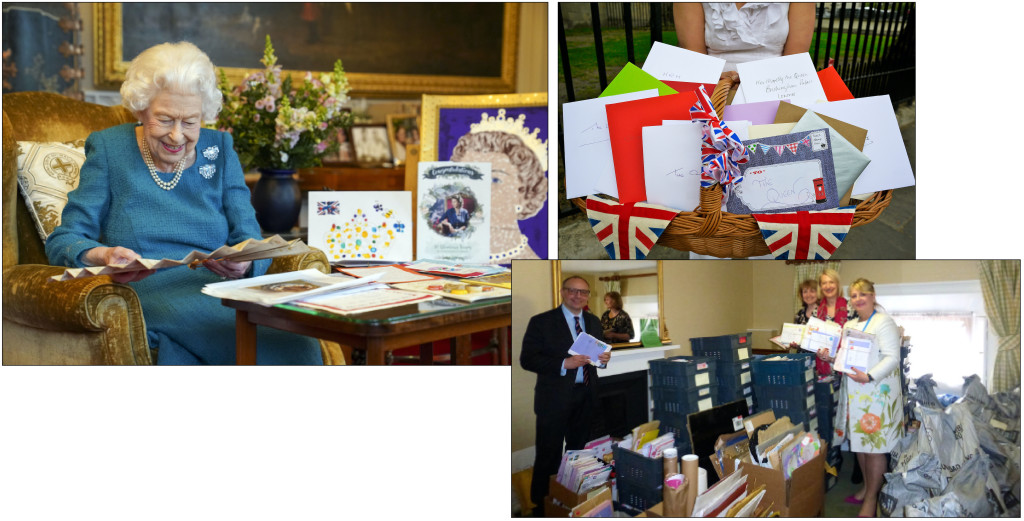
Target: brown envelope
[789, 113]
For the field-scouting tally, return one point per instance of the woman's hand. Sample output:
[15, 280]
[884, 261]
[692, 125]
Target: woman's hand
[107, 255]
[227, 269]
[859, 376]
[823, 354]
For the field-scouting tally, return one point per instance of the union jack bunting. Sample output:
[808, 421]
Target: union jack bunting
[805, 235]
[627, 231]
[327, 208]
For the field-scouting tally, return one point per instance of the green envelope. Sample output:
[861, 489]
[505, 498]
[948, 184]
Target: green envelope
[848, 161]
[633, 79]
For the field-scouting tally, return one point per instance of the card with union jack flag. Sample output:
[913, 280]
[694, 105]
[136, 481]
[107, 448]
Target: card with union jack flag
[327, 208]
[805, 235]
[627, 231]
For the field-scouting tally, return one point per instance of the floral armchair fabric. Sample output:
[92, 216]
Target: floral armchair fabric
[85, 321]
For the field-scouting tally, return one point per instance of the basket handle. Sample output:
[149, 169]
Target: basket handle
[721, 94]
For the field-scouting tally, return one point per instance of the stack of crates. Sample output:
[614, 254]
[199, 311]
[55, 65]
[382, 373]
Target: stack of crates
[732, 369]
[826, 399]
[785, 384]
[638, 480]
[680, 386]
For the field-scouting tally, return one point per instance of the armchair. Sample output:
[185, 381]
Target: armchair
[85, 321]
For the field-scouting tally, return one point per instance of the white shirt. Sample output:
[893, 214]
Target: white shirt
[755, 32]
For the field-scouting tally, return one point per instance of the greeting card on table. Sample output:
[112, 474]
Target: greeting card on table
[787, 173]
[588, 149]
[625, 121]
[633, 79]
[890, 165]
[668, 62]
[787, 77]
[361, 225]
[453, 213]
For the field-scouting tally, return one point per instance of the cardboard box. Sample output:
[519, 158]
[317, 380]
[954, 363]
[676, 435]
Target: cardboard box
[802, 495]
[567, 498]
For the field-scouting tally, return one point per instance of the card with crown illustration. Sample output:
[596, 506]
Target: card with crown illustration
[370, 226]
[508, 131]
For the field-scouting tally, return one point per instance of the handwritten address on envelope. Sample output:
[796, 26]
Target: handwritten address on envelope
[775, 187]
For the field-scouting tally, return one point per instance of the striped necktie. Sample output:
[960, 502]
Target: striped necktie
[586, 374]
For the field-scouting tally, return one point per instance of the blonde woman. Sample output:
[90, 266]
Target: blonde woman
[870, 412]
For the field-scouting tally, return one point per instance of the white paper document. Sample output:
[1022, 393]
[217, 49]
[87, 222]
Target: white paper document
[668, 62]
[455, 290]
[351, 302]
[278, 288]
[792, 334]
[890, 165]
[791, 77]
[367, 226]
[588, 150]
[857, 350]
[586, 344]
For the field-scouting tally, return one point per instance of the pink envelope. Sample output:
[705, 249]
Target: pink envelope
[759, 113]
[625, 121]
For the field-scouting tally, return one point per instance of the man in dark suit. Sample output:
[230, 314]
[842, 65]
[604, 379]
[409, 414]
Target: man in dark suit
[566, 393]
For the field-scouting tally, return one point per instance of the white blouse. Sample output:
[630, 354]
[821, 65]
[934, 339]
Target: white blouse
[755, 32]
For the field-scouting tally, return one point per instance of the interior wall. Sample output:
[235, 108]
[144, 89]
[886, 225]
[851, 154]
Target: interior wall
[773, 282]
[705, 298]
[531, 298]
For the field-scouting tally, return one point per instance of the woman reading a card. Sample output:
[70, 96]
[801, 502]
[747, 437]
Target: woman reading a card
[870, 412]
[744, 31]
[160, 189]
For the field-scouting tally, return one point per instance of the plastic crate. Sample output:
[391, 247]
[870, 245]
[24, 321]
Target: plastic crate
[787, 397]
[676, 424]
[808, 418]
[736, 381]
[682, 371]
[637, 468]
[685, 400]
[788, 369]
[725, 369]
[725, 348]
[638, 496]
[743, 393]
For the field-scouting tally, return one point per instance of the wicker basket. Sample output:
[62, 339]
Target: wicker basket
[723, 234]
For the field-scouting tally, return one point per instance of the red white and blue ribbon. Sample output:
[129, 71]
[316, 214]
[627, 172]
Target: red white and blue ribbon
[627, 231]
[722, 151]
[805, 235]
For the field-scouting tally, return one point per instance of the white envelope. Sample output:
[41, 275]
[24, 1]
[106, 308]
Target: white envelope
[779, 78]
[588, 151]
[672, 162]
[668, 62]
[785, 185]
[890, 166]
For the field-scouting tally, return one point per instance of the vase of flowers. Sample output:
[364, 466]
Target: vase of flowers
[280, 126]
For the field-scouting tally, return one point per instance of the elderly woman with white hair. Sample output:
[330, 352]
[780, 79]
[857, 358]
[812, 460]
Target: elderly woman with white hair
[160, 189]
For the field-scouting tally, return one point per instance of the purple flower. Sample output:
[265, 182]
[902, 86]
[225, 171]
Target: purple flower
[320, 147]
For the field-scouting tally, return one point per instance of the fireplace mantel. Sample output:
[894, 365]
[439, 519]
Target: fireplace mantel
[633, 359]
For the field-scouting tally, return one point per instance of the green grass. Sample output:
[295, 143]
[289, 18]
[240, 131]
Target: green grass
[583, 58]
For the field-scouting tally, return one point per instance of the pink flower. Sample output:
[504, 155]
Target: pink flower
[260, 104]
[320, 147]
[323, 125]
[256, 117]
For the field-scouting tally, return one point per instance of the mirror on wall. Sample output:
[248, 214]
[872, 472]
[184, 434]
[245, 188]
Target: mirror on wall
[637, 282]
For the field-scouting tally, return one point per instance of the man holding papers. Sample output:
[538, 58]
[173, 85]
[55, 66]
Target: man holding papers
[870, 411]
[566, 390]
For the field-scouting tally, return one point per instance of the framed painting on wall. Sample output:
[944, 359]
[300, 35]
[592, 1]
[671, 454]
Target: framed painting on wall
[509, 131]
[387, 49]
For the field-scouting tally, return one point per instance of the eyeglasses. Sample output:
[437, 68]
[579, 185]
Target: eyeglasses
[580, 292]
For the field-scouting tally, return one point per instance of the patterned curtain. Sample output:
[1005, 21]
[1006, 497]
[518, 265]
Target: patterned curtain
[1000, 284]
[612, 285]
[42, 48]
[810, 270]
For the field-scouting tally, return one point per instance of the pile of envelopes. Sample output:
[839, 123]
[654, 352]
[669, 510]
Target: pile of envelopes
[808, 148]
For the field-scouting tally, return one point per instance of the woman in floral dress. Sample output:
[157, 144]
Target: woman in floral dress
[870, 411]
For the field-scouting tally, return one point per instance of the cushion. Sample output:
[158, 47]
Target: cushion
[46, 173]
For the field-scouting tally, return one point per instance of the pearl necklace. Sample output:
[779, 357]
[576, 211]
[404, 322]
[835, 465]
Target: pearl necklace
[178, 168]
[508, 254]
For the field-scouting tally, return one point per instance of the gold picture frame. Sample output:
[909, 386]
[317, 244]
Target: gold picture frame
[111, 64]
[432, 105]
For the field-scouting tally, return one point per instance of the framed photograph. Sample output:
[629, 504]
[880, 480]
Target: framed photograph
[346, 153]
[510, 131]
[403, 129]
[371, 144]
[387, 49]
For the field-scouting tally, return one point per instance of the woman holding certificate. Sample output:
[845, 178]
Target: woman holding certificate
[870, 412]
